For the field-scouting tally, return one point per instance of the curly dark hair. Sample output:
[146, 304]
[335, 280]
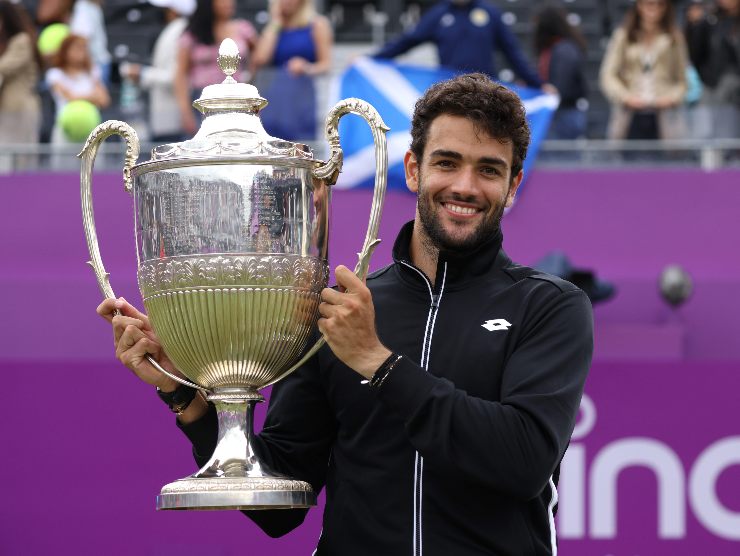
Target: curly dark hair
[490, 106]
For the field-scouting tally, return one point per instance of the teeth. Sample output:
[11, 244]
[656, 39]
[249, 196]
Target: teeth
[460, 210]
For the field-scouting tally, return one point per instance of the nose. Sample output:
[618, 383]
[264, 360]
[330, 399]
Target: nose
[465, 183]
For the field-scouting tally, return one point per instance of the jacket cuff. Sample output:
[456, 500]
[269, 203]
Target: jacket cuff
[406, 388]
[203, 433]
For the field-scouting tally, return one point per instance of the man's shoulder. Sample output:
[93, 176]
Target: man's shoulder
[531, 278]
[378, 275]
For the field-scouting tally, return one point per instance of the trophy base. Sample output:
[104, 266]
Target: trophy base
[236, 493]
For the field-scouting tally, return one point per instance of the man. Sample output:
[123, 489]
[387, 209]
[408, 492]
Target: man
[475, 365]
[465, 33]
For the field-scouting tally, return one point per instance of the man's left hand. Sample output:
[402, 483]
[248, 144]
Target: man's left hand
[348, 324]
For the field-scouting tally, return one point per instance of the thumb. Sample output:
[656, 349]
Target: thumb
[347, 279]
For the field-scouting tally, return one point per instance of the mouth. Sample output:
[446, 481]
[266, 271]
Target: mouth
[462, 210]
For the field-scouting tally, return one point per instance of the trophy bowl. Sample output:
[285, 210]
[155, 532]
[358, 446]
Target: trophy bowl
[232, 231]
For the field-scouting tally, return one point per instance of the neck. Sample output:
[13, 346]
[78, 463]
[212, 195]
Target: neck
[423, 253]
[649, 29]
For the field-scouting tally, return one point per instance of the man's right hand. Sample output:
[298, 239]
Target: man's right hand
[134, 339]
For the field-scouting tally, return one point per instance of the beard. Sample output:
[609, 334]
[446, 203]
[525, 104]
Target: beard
[441, 239]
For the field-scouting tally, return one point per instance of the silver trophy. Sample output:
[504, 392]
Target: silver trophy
[232, 236]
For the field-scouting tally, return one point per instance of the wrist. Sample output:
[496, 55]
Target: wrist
[372, 362]
[167, 385]
[378, 378]
[178, 399]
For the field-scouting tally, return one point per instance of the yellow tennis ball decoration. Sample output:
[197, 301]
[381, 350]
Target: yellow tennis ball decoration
[77, 119]
[50, 39]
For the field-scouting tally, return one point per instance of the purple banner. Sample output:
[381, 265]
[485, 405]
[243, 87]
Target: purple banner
[654, 463]
[653, 469]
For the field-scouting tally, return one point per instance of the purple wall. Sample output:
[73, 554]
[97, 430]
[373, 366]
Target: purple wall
[89, 447]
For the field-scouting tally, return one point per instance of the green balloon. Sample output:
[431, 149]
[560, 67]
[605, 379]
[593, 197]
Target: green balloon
[77, 119]
[50, 39]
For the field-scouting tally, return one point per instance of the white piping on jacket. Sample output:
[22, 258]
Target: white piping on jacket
[419, 460]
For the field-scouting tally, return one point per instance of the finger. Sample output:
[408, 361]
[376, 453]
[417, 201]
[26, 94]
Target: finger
[327, 310]
[135, 358]
[107, 309]
[120, 323]
[322, 326]
[347, 279]
[131, 334]
[129, 310]
[331, 296]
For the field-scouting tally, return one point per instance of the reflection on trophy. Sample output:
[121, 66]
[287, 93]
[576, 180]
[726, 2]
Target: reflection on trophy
[231, 236]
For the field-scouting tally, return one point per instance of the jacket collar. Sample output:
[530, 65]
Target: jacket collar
[460, 267]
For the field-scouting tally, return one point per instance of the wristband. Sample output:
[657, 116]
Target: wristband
[179, 399]
[384, 370]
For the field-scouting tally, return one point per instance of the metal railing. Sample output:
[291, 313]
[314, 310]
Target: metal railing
[709, 155]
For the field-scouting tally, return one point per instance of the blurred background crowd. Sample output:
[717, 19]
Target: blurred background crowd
[657, 70]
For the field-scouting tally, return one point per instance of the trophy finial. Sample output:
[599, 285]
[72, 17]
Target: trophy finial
[228, 59]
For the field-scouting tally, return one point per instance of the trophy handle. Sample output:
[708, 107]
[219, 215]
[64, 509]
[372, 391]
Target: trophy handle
[88, 154]
[329, 172]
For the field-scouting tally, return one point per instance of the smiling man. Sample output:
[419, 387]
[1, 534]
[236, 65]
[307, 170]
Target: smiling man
[439, 413]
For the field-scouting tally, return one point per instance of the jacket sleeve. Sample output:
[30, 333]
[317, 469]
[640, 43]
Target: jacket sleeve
[679, 60]
[17, 56]
[423, 32]
[611, 84]
[513, 445]
[507, 43]
[296, 440]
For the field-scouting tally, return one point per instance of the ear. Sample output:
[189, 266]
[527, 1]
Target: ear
[411, 168]
[513, 188]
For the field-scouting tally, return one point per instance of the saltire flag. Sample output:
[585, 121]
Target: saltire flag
[393, 89]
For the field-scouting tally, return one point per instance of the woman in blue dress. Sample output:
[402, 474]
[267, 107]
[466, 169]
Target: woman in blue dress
[294, 47]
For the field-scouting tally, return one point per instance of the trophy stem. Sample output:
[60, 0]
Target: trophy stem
[234, 477]
[234, 455]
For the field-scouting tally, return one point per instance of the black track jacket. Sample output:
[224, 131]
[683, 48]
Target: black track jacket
[457, 451]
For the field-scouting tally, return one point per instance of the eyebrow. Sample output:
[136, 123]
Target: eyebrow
[495, 161]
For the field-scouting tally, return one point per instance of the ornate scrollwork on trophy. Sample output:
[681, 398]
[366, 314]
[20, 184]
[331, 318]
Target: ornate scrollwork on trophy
[238, 144]
[159, 276]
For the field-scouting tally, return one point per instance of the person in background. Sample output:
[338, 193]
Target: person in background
[164, 115]
[211, 22]
[294, 47]
[465, 33]
[643, 74]
[87, 21]
[53, 11]
[20, 68]
[713, 38]
[560, 50]
[74, 77]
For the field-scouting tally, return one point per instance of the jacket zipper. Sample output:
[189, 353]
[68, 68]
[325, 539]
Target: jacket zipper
[436, 297]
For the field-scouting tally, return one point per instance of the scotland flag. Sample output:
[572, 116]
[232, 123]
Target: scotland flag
[393, 90]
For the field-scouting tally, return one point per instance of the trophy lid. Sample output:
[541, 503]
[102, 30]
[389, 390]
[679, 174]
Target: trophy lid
[231, 131]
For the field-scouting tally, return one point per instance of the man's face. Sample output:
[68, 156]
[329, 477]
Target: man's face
[463, 184]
